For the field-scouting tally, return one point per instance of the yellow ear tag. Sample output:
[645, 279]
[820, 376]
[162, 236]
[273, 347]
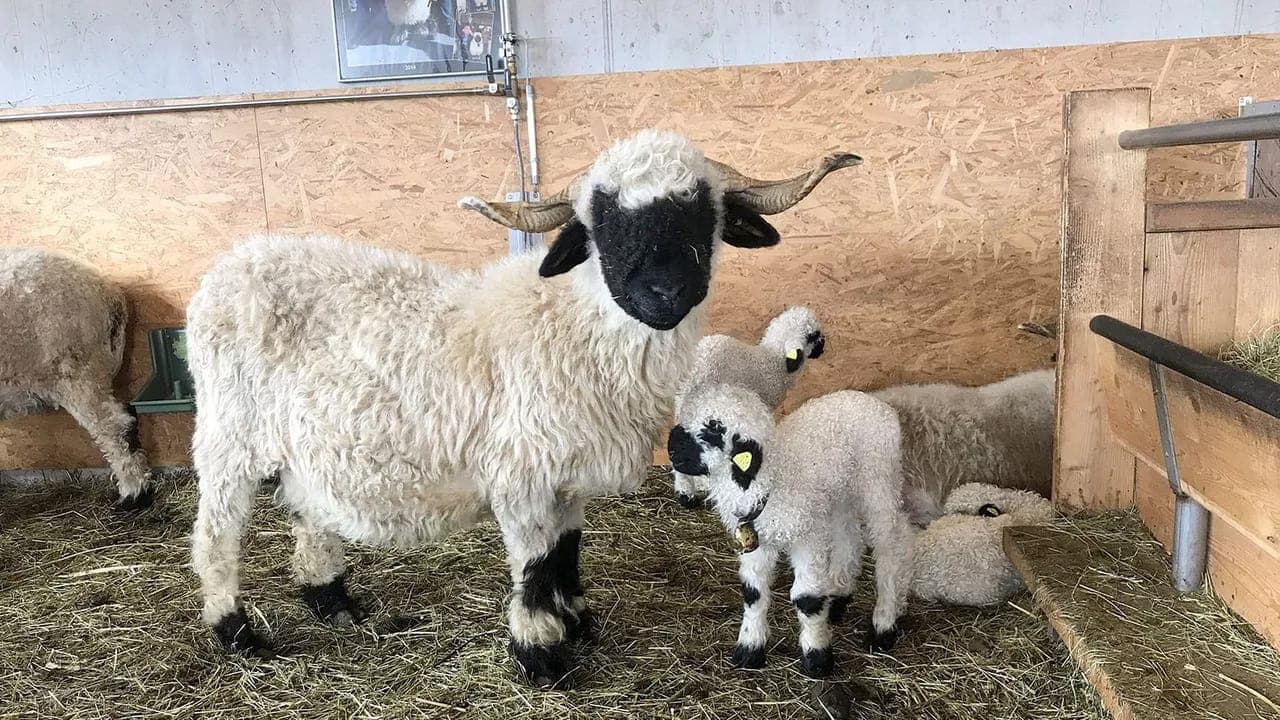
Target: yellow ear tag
[792, 354]
[743, 461]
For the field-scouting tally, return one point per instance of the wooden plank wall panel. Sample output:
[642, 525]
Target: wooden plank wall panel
[148, 200]
[1103, 237]
[1258, 282]
[937, 247]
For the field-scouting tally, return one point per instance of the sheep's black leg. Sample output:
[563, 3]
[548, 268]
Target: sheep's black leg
[543, 550]
[235, 632]
[580, 620]
[319, 567]
[755, 570]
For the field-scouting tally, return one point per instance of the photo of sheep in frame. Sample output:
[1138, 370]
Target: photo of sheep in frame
[396, 39]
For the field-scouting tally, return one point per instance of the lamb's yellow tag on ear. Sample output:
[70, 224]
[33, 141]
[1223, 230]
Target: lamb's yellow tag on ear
[792, 354]
[743, 461]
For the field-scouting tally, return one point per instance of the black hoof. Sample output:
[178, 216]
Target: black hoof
[689, 502]
[747, 658]
[237, 636]
[134, 503]
[544, 666]
[817, 662]
[836, 611]
[878, 641]
[582, 629]
[331, 603]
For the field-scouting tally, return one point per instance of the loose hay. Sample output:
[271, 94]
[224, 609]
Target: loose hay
[1259, 353]
[99, 614]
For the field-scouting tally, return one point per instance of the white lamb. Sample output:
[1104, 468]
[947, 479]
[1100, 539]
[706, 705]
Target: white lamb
[62, 336]
[820, 487]
[960, 559]
[400, 400]
[768, 369]
[1000, 434]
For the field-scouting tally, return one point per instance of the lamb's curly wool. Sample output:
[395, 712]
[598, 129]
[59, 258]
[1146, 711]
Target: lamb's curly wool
[959, 558]
[1000, 434]
[819, 488]
[768, 369]
[62, 335]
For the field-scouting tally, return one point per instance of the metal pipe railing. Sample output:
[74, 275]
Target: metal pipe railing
[1248, 388]
[1238, 129]
[245, 103]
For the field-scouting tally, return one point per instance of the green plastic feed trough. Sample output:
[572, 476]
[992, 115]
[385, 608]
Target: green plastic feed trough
[170, 388]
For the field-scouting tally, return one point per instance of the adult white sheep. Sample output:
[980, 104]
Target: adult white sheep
[820, 487]
[768, 369]
[62, 335]
[960, 559]
[400, 400]
[1000, 434]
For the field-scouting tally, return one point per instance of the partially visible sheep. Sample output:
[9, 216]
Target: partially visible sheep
[960, 559]
[820, 487]
[1000, 434]
[61, 342]
[768, 369]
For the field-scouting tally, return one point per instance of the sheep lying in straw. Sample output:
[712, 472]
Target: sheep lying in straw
[400, 400]
[62, 334]
[768, 369]
[820, 486]
[959, 558]
[1000, 434]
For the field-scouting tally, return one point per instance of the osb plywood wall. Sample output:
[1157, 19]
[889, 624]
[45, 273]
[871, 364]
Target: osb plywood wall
[920, 262]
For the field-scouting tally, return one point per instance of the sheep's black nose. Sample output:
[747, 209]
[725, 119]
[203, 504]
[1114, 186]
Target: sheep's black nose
[665, 289]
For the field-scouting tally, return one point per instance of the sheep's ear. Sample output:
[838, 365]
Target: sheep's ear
[571, 249]
[747, 456]
[745, 228]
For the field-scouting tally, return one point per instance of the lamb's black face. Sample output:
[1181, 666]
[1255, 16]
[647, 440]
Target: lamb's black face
[656, 259]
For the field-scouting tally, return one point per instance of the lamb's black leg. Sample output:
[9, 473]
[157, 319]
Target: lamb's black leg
[331, 603]
[235, 632]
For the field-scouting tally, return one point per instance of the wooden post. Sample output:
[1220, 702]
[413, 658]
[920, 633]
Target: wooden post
[1103, 245]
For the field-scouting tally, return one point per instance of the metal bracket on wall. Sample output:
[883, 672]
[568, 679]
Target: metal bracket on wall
[1190, 518]
[520, 241]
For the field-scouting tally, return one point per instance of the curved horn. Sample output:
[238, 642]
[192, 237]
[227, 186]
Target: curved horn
[530, 216]
[769, 197]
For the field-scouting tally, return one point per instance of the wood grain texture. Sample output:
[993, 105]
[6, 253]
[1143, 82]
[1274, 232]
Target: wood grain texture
[1102, 256]
[1258, 282]
[921, 262]
[1213, 215]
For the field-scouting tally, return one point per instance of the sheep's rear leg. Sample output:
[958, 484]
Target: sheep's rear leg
[114, 432]
[813, 594]
[319, 567]
[542, 541]
[226, 498]
[893, 543]
[755, 570]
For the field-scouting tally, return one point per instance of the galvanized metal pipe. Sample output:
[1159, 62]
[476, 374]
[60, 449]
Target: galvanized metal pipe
[1237, 129]
[1190, 543]
[1190, 518]
[246, 103]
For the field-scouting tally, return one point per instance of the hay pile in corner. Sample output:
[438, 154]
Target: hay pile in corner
[1259, 353]
[99, 619]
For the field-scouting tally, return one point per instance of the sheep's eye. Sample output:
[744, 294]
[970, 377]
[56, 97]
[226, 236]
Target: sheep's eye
[989, 510]
[712, 434]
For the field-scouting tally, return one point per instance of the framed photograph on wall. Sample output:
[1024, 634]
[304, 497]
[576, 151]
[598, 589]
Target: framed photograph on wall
[394, 39]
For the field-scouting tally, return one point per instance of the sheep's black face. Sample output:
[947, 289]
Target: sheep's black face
[656, 259]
